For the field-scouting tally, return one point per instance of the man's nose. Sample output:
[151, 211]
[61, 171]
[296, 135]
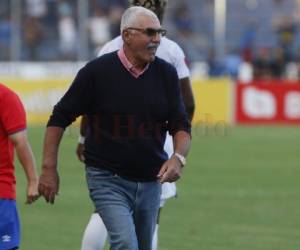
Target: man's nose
[156, 38]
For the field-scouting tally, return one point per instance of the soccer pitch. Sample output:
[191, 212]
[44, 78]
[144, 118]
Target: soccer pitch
[239, 191]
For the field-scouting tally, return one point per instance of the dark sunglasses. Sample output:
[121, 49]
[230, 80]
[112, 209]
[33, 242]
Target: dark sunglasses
[150, 31]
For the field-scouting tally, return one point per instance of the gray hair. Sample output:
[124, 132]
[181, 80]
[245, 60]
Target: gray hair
[130, 15]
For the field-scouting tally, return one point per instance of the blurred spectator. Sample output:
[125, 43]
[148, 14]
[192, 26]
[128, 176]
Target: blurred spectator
[269, 64]
[107, 4]
[292, 72]
[99, 28]
[5, 36]
[36, 8]
[49, 29]
[182, 18]
[33, 33]
[190, 42]
[285, 28]
[66, 30]
[247, 41]
[115, 15]
[232, 63]
[278, 63]
[245, 74]
[262, 64]
[216, 67]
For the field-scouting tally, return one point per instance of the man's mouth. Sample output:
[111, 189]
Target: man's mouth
[152, 47]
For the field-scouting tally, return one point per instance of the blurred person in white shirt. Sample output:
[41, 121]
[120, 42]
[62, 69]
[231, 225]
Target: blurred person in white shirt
[66, 30]
[36, 8]
[99, 28]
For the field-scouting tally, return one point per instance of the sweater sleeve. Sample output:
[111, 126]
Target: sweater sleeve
[178, 119]
[75, 102]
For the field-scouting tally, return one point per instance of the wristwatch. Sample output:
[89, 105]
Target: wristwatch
[181, 158]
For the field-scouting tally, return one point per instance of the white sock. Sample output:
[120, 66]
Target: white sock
[95, 234]
[155, 238]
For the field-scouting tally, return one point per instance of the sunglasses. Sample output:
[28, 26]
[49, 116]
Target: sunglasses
[150, 31]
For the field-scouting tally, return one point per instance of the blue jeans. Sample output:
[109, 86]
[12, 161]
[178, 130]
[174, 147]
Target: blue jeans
[128, 209]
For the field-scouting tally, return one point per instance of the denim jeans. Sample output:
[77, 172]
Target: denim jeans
[128, 209]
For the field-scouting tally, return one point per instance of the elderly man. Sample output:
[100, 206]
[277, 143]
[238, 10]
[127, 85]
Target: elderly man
[95, 233]
[132, 98]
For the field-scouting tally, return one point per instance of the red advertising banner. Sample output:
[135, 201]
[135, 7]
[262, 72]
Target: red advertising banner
[267, 103]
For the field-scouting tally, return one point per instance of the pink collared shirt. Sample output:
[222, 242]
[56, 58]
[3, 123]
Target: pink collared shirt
[128, 65]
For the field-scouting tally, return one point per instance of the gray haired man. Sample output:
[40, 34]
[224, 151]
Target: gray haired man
[131, 98]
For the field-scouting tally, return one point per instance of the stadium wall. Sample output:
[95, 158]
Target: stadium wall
[39, 97]
[213, 101]
[218, 101]
[276, 102]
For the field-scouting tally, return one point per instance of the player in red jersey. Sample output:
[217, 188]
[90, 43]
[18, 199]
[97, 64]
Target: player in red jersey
[13, 136]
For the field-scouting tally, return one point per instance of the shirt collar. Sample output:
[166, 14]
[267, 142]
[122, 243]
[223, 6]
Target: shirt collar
[128, 65]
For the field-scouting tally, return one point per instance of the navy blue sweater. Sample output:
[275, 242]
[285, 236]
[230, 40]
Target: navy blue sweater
[128, 117]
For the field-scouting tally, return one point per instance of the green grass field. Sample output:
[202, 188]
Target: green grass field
[239, 191]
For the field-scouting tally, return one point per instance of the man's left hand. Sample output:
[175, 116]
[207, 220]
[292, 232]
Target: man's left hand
[170, 170]
[79, 151]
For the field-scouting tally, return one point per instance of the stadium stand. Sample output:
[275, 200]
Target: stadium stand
[52, 30]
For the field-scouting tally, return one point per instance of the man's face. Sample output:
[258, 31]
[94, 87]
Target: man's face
[142, 38]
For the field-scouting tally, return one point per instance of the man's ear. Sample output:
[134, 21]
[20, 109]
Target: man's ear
[126, 37]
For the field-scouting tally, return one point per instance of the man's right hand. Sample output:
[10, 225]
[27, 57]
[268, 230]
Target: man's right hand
[79, 151]
[49, 184]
